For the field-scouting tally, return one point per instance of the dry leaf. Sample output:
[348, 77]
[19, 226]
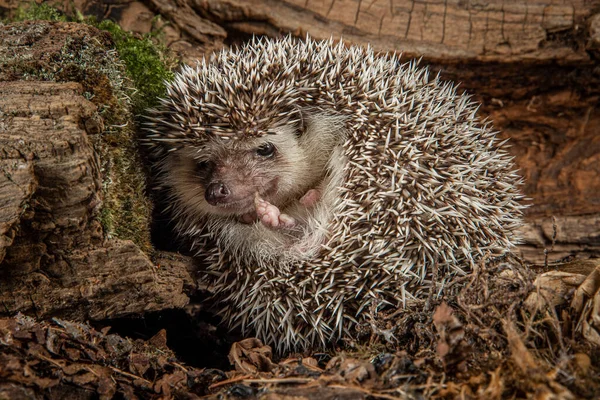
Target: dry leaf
[250, 356]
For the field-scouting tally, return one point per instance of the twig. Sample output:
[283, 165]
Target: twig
[132, 376]
[279, 380]
[554, 229]
[180, 366]
[370, 393]
[228, 381]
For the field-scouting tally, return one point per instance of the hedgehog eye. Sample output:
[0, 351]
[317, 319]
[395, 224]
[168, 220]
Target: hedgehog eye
[203, 166]
[266, 150]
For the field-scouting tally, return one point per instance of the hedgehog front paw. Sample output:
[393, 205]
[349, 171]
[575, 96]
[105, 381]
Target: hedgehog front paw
[270, 216]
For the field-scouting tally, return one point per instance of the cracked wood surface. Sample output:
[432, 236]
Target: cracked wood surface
[55, 258]
[492, 30]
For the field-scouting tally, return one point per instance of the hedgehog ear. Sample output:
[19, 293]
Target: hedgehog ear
[301, 122]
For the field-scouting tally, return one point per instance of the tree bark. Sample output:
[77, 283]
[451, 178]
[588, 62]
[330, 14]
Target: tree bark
[495, 30]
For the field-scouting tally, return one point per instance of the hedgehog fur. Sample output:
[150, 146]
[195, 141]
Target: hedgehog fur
[412, 184]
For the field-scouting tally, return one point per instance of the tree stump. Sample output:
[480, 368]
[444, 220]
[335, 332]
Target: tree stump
[56, 257]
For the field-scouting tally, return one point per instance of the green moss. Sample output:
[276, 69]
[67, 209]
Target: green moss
[147, 62]
[146, 65]
[106, 219]
[36, 11]
[126, 210]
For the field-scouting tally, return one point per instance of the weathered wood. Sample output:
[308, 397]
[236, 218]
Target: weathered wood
[55, 258]
[109, 281]
[549, 112]
[562, 236]
[41, 127]
[17, 184]
[491, 31]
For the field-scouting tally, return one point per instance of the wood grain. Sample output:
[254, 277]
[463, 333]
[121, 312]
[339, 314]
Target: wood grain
[460, 29]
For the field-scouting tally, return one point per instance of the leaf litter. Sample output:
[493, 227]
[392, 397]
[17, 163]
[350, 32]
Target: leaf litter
[496, 334]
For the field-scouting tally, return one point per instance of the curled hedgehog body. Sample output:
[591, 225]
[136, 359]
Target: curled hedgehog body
[317, 180]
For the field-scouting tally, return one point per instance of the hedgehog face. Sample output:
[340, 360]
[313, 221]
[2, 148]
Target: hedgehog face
[222, 176]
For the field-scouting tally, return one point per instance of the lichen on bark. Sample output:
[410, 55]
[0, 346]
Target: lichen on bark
[121, 90]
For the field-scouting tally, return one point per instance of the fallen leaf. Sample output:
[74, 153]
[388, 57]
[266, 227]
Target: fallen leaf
[251, 356]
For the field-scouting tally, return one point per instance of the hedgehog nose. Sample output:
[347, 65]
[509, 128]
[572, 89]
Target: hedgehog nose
[216, 192]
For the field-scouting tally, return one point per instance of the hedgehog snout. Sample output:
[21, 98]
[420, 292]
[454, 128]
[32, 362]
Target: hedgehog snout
[217, 193]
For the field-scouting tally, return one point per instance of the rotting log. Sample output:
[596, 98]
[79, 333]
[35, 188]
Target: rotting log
[447, 31]
[56, 257]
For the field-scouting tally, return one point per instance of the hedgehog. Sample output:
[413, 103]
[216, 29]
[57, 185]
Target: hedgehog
[318, 181]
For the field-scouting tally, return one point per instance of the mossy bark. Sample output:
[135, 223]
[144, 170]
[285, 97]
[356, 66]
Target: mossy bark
[75, 216]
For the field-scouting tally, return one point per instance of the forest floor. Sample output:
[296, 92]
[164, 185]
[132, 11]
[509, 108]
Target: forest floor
[499, 336]
[506, 330]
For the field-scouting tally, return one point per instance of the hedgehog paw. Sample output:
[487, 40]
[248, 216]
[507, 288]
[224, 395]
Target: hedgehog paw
[270, 216]
[310, 198]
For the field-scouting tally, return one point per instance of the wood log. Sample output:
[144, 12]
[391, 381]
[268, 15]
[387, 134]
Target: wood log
[458, 30]
[55, 256]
